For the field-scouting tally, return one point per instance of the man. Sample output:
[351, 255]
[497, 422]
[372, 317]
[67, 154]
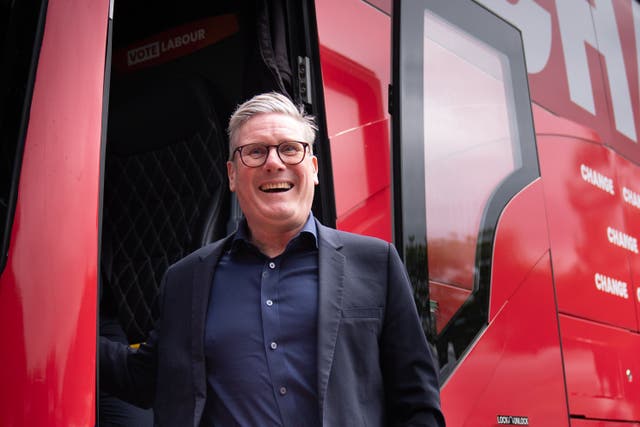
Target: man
[285, 322]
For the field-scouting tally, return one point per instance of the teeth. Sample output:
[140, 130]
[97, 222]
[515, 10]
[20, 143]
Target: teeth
[276, 186]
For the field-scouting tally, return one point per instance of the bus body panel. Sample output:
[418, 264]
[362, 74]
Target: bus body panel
[48, 289]
[601, 367]
[518, 248]
[355, 58]
[515, 367]
[560, 211]
[523, 331]
[586, 228]
[593, 229]
[628, 177]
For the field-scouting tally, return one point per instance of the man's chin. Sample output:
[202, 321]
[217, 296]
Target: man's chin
[279, 220]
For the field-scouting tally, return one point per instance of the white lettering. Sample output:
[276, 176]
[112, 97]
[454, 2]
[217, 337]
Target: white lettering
[597, 179]
[534, 22]
[167, 46]
[576, 29]
[511, 420]
[611, 286]
[622, 240]
[610, 46]
[183, 40]
[631, 197]
[143, 53]
[638, 293]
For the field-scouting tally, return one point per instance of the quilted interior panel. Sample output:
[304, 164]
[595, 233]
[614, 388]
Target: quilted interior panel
[155, 202]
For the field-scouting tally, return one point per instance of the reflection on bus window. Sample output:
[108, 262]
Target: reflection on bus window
[469, 129]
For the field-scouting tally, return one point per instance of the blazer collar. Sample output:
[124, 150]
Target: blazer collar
[201, 287]
[202, 281]
[330, 286]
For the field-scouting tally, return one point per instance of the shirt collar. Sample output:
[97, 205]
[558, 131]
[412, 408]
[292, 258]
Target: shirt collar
[309, 229]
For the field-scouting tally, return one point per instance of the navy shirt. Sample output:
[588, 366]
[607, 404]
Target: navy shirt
[261, 335]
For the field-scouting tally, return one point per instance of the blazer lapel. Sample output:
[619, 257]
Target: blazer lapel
[201, 285]
[330, 286]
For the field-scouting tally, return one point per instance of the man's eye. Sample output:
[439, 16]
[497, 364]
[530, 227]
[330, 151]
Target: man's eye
[256, 151]
[289, 149]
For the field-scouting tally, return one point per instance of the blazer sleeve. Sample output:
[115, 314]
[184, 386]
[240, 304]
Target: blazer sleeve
[410, 375]
[130, 374]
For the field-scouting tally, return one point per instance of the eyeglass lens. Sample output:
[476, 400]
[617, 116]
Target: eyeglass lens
[290, 152]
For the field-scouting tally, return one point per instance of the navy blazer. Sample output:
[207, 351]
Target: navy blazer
[375, 367]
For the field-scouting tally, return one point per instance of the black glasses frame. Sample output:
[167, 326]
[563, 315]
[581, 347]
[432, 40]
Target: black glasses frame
[286, 161]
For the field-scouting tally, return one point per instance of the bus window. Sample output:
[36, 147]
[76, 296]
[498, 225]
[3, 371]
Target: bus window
[21, 25]
[468, 129]
[463, 146]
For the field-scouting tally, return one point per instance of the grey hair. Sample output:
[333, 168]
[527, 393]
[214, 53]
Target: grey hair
[265, 103]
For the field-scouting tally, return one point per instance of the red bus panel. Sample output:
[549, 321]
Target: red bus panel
[491, 380]
[516, 248]
[602, 369]
[355, 58]
[629, 185]
[589, 241]
[48, 290]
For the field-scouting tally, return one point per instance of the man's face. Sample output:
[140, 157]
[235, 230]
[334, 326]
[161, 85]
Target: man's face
[275, 196]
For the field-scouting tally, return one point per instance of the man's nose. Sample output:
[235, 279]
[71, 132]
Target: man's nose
[273, 160]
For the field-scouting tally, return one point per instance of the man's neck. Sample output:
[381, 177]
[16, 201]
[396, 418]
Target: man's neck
[272, 242]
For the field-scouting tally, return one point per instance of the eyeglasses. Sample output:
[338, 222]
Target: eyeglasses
[255, 155]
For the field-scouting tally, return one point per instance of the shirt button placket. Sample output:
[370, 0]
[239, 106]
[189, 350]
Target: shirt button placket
[274, 358]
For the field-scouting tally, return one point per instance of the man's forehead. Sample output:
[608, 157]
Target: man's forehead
[270, 124]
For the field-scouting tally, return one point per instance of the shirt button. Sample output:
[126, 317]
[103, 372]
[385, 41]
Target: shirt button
[269, 302]
[283, 391]
[274, 345]
[272, 265]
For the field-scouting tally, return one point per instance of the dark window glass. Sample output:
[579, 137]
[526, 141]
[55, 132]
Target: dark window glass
[463, 146]
[469, 119]
[20, 36]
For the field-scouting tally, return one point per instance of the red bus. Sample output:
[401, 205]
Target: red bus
[494, 142]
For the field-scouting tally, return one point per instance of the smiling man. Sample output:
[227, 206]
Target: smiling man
[273, 172]
[285, 322]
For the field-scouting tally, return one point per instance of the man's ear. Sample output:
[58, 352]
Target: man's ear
[314, 161]
[231, 173]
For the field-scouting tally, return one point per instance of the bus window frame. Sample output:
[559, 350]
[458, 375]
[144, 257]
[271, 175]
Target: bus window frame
[408, 163]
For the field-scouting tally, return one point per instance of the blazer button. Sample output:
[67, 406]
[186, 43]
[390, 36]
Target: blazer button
[283, 391]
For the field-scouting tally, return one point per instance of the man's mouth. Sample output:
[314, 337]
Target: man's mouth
[276, 187]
